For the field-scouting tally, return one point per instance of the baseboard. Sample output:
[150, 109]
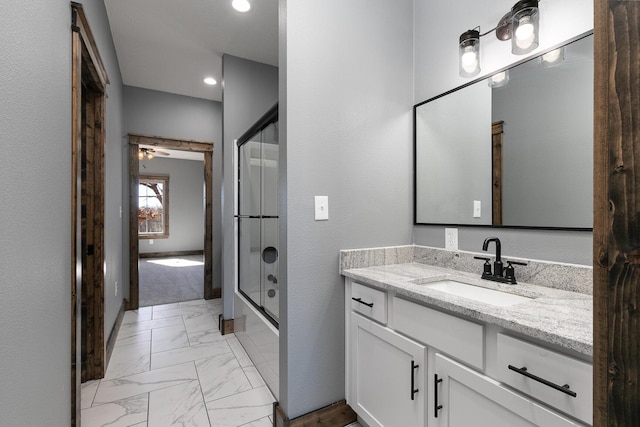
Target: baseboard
[111, 342]
[216, 293]
[337, 414]
[225, 325]
[169, 254]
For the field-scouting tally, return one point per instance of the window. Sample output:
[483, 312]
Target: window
[153, 207]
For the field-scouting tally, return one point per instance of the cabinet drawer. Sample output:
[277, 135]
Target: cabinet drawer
[459, 338]
[554, 368]
[369, 301]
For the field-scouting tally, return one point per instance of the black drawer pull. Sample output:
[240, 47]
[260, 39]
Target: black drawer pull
[368, 304]
[563, 388]
[414, 390]
[436, 407]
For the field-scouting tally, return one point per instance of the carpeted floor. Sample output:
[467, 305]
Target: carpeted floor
[169, 280]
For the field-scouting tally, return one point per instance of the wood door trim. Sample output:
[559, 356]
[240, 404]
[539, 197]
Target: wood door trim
[135, 140]
[497, 129]
[616, 228]
[85, 55]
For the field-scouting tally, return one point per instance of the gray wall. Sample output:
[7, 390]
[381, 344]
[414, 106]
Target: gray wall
[346, 129]
[186, 207]
[436, 72]
[35, 225]
[250, 89]
[150, 112]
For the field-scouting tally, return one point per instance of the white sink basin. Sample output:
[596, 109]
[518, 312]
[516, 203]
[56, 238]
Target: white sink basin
[476, 293]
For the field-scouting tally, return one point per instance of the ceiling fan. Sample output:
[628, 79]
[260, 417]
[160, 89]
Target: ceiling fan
[149, 153]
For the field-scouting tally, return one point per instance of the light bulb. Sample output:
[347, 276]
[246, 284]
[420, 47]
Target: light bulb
[525, 28]
[140, 155]
[149, 156]
[469, 60]
[210, 81]
[241, 5]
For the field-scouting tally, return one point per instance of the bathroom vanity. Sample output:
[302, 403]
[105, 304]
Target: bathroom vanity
[431, 345]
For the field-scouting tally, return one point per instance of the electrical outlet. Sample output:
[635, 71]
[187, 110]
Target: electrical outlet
[451, 239]
[151, 241]
[116, 286]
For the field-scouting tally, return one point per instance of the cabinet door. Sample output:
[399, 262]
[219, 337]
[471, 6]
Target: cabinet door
[468, 398]
[388, 374]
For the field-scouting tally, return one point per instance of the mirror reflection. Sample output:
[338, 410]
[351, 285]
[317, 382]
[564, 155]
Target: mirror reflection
[517, 151]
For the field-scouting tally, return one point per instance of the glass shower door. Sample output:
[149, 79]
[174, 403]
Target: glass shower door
[258, 218]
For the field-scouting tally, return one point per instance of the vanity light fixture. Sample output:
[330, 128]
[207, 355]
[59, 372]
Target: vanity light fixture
[241, 5]
[520, 25]
[499, 79]
[553, 58]
[469, 50]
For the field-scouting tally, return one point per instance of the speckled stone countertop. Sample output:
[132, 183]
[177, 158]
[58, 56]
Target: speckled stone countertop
[552, 315]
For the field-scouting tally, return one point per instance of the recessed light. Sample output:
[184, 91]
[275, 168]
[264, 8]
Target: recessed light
[210, 81]
[241, 5]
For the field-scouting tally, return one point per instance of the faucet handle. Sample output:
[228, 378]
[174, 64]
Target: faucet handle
[517, 263]
[487, 265]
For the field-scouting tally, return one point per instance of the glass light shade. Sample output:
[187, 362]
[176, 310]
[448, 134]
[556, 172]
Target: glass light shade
[553, 58]
[499, 79]
[140, 155]
[524, 26]
[469, 52]
[149, 155]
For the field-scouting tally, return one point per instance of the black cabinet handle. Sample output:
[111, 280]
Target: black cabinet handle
[414, 390]
[368, 304]
[436, 407]
[563, 388]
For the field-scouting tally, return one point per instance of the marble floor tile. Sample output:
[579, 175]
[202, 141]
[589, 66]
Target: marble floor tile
[262, 422]
[166, 306]
[136, 337]
[188, 354]
[205, 337]
[139, 315]
[241, 408]
[221, 376]
[238, 350]
[196, 322]
[121, 413]
[254, 376]
[88, 392]
[179, 405]
[192, 303]
[128, 360]
[112, 390]
[170, 338]
[131, 329]
[181, 311]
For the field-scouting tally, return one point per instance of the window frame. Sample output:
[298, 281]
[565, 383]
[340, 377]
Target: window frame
[164, 179]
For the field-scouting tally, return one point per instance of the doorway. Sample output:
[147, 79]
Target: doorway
[89, 81]
[135, 141]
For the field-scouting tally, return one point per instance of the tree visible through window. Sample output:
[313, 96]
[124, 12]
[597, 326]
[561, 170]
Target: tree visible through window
[153, 207]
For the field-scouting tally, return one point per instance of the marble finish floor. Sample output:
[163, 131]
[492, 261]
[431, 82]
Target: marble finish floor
[170, 280]
[172, 367]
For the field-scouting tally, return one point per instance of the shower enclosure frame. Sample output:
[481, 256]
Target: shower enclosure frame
[269, 118]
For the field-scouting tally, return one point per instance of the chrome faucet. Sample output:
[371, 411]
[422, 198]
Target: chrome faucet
[499, 274]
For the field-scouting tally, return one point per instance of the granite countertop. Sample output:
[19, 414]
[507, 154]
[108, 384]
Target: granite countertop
[554, 316]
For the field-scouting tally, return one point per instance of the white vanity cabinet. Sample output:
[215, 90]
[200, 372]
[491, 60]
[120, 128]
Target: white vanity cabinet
[463, 397]
[411, 365]
[387, 376]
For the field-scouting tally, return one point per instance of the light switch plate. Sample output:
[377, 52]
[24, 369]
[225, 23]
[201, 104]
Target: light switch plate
[477, 209]
[322, 208]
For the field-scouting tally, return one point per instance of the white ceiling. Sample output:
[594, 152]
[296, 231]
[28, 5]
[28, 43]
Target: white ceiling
[172, 45]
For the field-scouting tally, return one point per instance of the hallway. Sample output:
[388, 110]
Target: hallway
[171, 366]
